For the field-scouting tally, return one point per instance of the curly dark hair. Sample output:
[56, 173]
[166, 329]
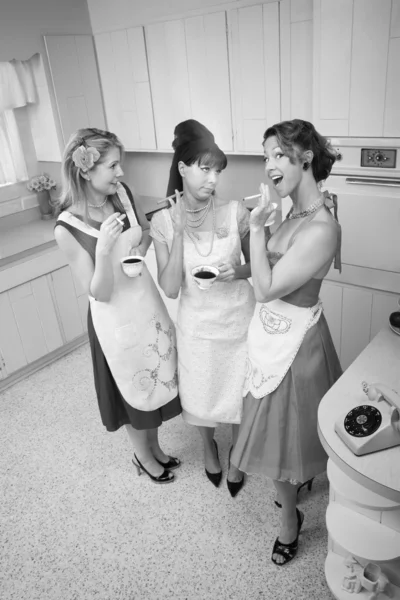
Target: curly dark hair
[297, 136]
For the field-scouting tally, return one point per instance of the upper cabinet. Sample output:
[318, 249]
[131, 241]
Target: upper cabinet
[254, 58]
[126, 87]
[76, 82]
[357, 67]
[296, 46]
[189, 75]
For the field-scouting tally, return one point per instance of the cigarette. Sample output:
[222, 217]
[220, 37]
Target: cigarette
[169, 198]
[252, 197]
[119, 221]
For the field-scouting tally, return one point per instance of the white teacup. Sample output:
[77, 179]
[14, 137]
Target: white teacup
[205, 276]
[132, 265]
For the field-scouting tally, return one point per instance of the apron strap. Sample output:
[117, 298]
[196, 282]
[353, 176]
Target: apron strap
[69, 218]
[126, 203]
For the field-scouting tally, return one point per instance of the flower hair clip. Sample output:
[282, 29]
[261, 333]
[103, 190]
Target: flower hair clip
[84, 158]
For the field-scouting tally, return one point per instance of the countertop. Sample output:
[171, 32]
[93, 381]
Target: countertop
[379, 362]
[23, 242]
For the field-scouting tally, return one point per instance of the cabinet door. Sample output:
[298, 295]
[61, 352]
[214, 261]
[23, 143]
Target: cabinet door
[371, 28]
[31, 309]
[67, 303]
[11, 348]
[189, 74]
[296, 63]
[356, 81]
[125, 82]
[332, 298]
[76, 82]
[382, 307]
[356, 323]
[254, 59]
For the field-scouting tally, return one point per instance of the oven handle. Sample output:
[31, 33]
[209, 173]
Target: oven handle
[371, 181]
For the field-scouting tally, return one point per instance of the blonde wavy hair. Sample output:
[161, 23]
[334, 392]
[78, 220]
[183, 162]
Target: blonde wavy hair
[73, 185]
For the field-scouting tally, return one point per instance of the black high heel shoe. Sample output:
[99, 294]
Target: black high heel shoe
[288, 551]
[307, 483]
[165, 477]
[215, 478]
[234, 487]
[173, 463]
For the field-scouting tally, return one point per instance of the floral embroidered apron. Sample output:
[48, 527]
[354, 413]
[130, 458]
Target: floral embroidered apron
[134, 329]
[212, 329]
[276, 332]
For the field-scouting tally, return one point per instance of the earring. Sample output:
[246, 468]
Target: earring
[306, 166]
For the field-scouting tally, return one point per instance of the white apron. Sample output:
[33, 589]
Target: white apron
[134, 329]
[212, 329]
[276, 332]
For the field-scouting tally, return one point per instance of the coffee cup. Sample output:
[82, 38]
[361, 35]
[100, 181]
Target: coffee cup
[370, 577]
[132, 265]
[205, 276]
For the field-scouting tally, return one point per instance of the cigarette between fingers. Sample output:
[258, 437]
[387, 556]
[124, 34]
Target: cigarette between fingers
[252, 197]
[119, 221]
[168, 198]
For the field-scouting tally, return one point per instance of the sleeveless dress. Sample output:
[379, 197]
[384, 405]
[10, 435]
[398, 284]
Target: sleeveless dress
[212, 325]
[114, 408]
[278, 434]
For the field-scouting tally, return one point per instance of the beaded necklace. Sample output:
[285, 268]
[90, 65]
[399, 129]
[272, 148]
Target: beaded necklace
[308, 211]
[193, 239]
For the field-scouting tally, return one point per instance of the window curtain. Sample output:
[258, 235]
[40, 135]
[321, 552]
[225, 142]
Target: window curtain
[16, 84]
[12, 163]
[17, 88]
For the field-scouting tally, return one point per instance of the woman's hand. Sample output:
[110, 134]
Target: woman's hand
[110, 231]
[226, 273]
[261, 213]
[178, 214]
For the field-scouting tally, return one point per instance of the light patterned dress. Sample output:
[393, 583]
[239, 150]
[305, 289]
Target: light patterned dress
[212, 325]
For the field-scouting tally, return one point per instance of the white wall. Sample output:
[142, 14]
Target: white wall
[107, 15]
[148, 173]
[24, 22]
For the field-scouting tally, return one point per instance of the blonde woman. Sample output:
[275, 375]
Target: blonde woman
[132, 338]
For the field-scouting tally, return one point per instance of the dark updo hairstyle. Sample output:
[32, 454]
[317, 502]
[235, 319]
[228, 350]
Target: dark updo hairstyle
[297, 136]
[193, 143]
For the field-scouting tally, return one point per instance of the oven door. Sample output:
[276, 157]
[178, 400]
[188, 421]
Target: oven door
[369, 212]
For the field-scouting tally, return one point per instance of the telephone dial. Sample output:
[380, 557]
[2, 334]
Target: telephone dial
[374, 425]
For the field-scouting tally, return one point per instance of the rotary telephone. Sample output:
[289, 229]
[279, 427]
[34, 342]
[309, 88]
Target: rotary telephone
[374, 425]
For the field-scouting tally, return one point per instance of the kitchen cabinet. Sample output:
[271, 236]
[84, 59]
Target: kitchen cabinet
[254, 60]
[355, 315]
[28, 324]
[76, 82]
[189, 76]
[40, 318]
[126, 87]
[296, 59]
[356, 90]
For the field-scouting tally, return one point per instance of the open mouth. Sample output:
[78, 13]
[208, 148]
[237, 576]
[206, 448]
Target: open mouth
[276, 179]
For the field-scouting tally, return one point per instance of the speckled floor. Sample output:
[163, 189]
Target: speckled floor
[78, 524]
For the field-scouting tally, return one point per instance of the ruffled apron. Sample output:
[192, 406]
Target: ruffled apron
[134, 329]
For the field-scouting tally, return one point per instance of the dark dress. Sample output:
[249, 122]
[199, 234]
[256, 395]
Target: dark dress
[114, 410]
[278, 434]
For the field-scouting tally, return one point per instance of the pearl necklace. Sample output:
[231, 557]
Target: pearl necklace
[98, 205]
[196, 210]
[193, 239]
[194, 223]
[308, 211]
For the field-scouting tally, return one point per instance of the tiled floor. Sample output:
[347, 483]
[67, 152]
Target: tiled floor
[78, 524]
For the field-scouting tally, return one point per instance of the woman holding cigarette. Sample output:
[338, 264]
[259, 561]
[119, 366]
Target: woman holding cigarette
[203, 230]
[292, 360]
[132, 338]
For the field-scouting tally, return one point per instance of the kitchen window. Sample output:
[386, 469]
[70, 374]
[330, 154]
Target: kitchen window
[12, 161]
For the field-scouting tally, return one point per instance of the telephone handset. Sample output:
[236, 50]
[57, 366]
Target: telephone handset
[374, 425]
